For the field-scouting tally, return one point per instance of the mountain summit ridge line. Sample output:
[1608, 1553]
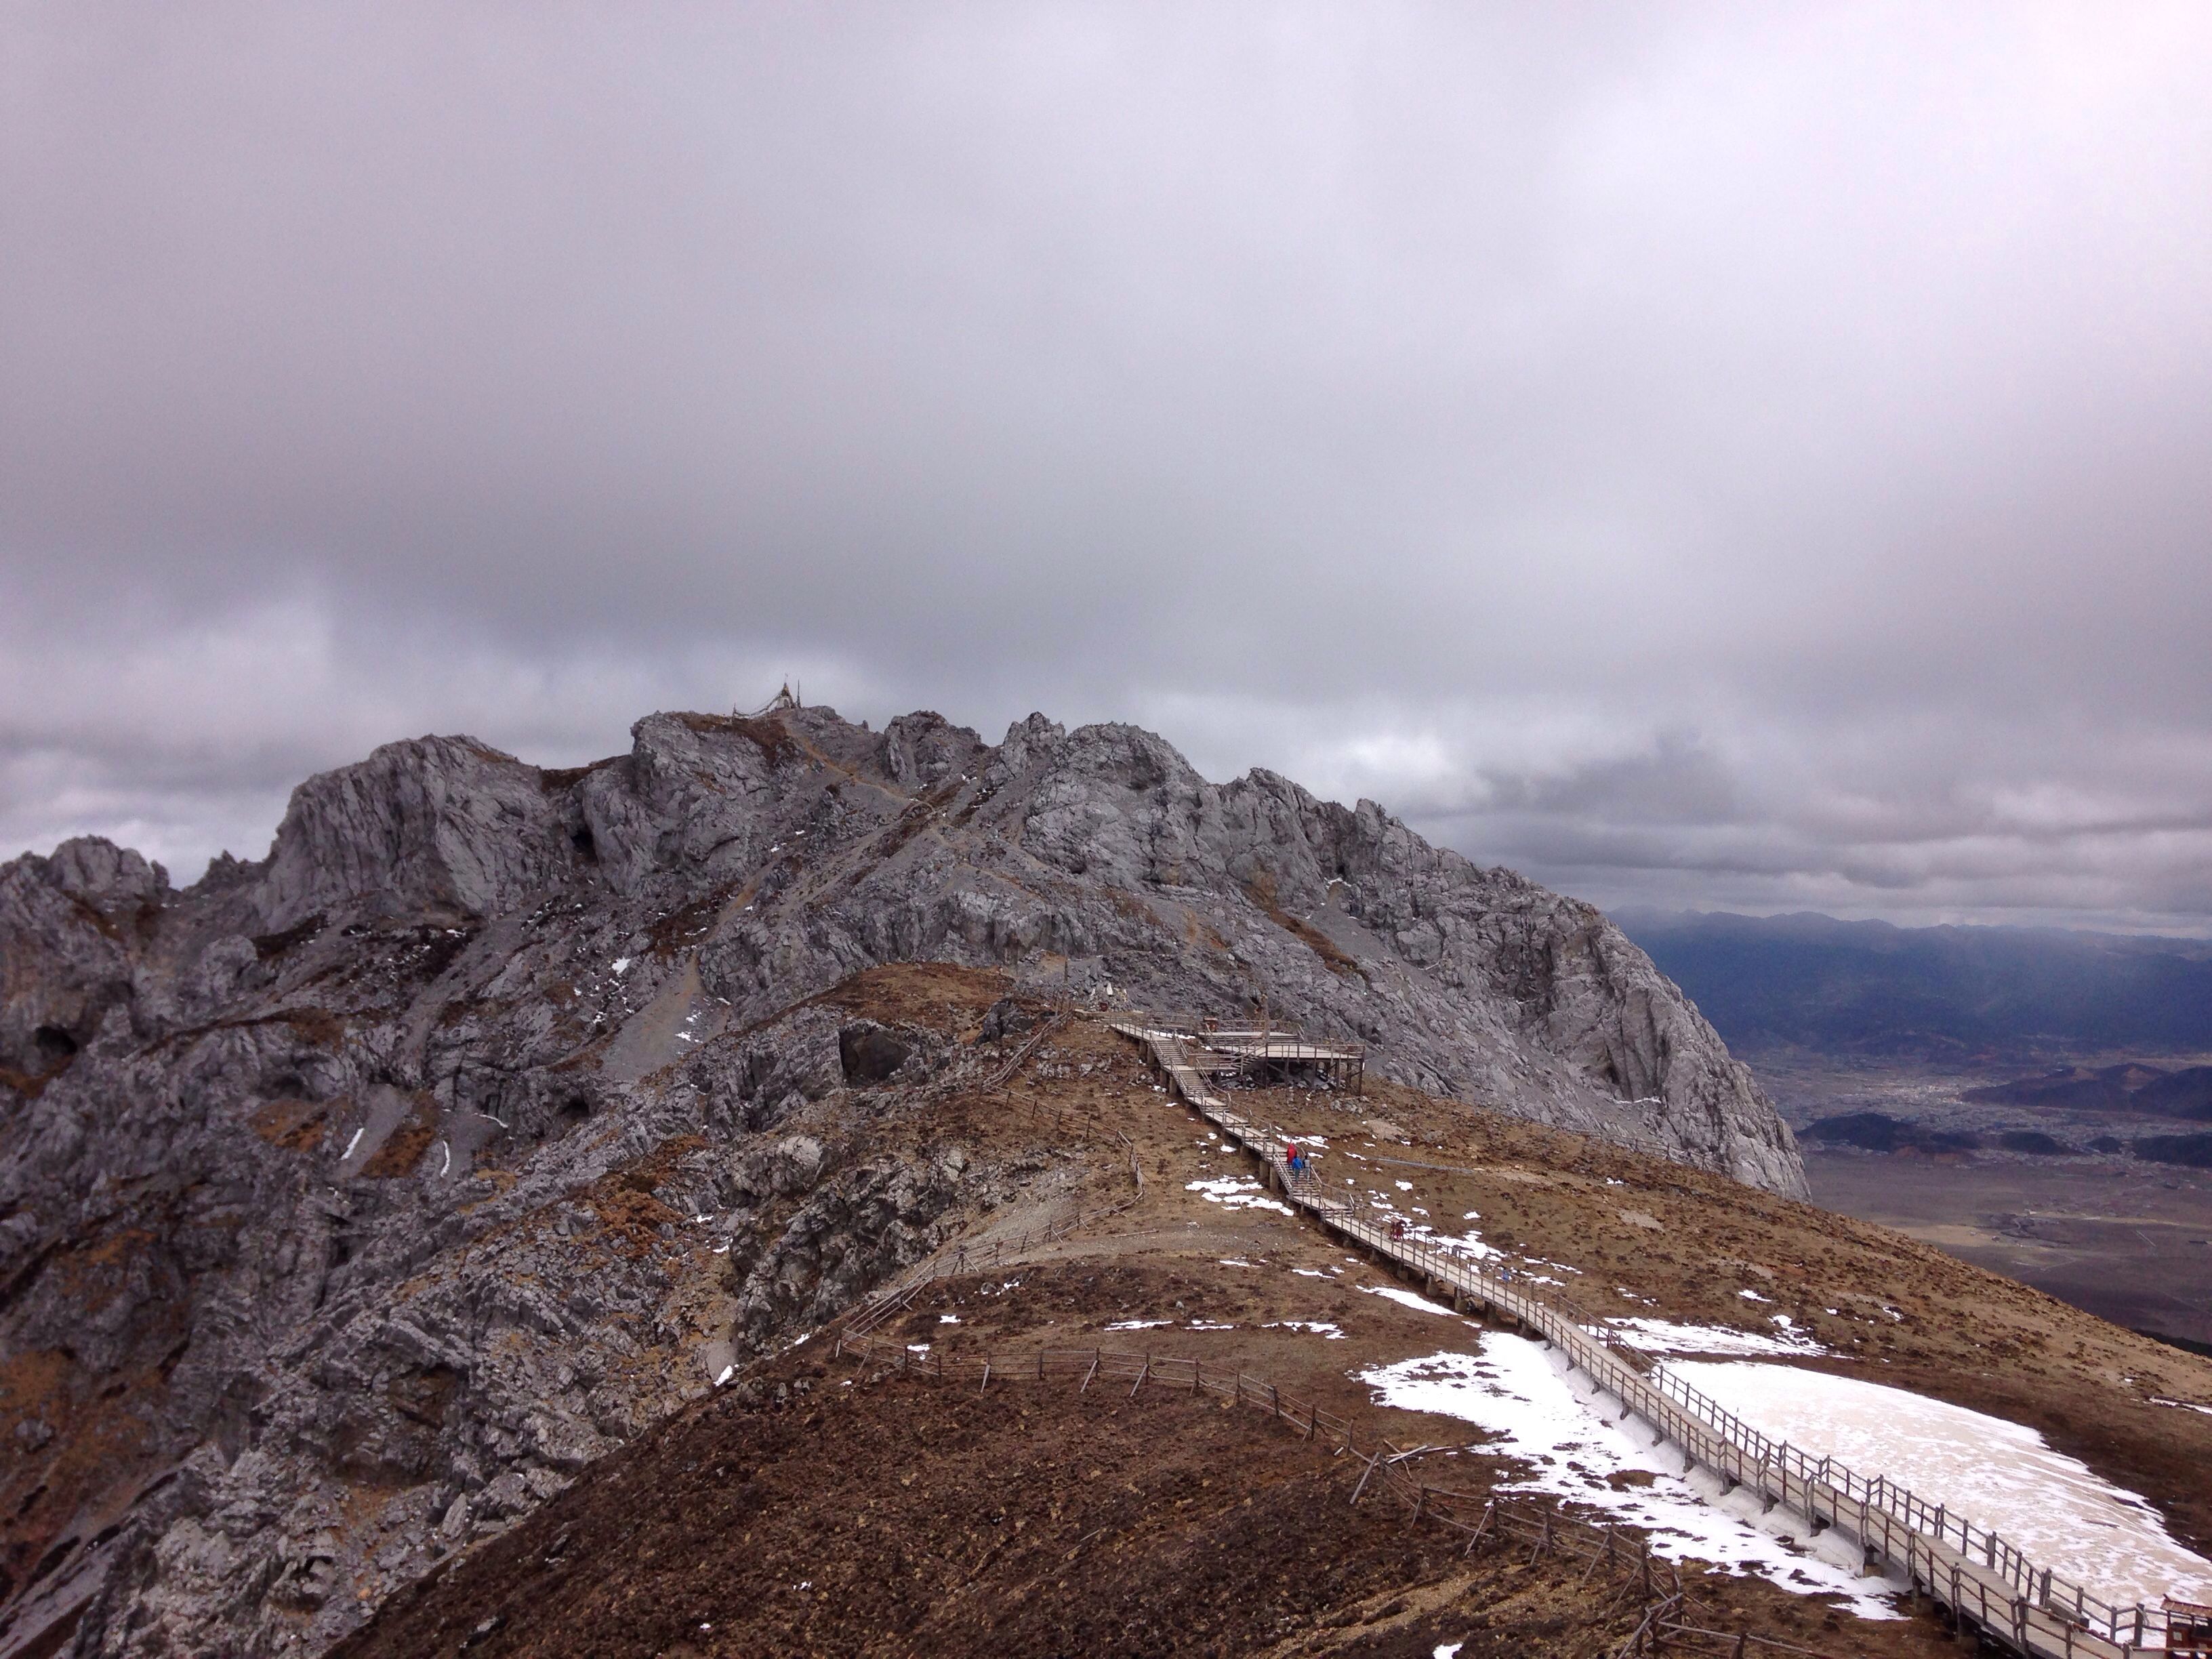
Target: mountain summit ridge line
[1469, 982]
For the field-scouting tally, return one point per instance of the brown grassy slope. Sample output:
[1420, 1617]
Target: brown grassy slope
[1966, 1336]
[900, 1516]
[651, 1555]
[1685, 1243]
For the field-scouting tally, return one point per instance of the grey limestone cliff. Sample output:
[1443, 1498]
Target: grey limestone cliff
[351, 1200]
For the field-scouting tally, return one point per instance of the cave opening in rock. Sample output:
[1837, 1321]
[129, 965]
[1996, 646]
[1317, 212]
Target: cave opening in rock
[54, 1044]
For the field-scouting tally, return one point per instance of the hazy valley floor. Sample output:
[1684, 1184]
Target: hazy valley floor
[2133, 1246]
[2127, 1239]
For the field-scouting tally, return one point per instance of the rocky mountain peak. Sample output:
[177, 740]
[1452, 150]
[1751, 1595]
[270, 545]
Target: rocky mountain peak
[373, 1168]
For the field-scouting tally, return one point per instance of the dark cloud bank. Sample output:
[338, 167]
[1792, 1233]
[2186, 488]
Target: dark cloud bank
[1711, 456]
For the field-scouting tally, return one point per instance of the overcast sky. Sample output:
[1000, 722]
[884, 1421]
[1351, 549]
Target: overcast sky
[1752, 457]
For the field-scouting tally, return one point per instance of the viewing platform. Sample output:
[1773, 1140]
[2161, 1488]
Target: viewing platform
[1256, 1055]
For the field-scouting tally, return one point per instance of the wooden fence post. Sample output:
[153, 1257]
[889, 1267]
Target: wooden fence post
[1362, 1486]
[1489, 1509]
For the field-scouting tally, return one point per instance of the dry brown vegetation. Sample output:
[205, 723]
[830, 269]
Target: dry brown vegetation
[841, 1511]
[878, 1514]
[404, 1148]
[1261, 889]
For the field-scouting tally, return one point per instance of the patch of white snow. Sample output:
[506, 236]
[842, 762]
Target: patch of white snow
[1518, 1390]
[1406, 1298]
[1998, 1474]
[1236, 1192]
[1665, 1336]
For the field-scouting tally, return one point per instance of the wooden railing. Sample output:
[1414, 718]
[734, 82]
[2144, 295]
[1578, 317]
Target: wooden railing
[1971, 1570]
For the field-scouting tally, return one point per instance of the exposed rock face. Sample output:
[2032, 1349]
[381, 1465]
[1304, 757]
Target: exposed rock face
[351, 1200]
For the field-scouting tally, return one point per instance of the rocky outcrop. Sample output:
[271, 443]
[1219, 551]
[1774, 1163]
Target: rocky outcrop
[351, 1200]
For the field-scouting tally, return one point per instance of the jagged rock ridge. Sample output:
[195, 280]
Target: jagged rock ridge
[801, 848]
[367, 1169]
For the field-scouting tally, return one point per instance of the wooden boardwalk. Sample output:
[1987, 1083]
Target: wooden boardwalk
[1972, 1571]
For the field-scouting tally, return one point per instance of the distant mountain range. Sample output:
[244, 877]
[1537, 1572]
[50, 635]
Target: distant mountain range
[1881, 1132]
[1868, 987]
[2129, 1087]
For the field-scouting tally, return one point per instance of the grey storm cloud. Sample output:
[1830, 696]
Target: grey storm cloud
[1721, 455]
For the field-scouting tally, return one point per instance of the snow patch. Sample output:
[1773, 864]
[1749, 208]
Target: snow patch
[1520, 1393]
[1236, 1192]
[1998, 1474]
[1664, 1336]
[1406, 1298]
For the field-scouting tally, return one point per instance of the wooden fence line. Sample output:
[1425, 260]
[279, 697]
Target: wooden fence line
[1481, 1518]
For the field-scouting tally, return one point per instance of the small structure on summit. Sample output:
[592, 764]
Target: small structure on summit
[784, 698]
